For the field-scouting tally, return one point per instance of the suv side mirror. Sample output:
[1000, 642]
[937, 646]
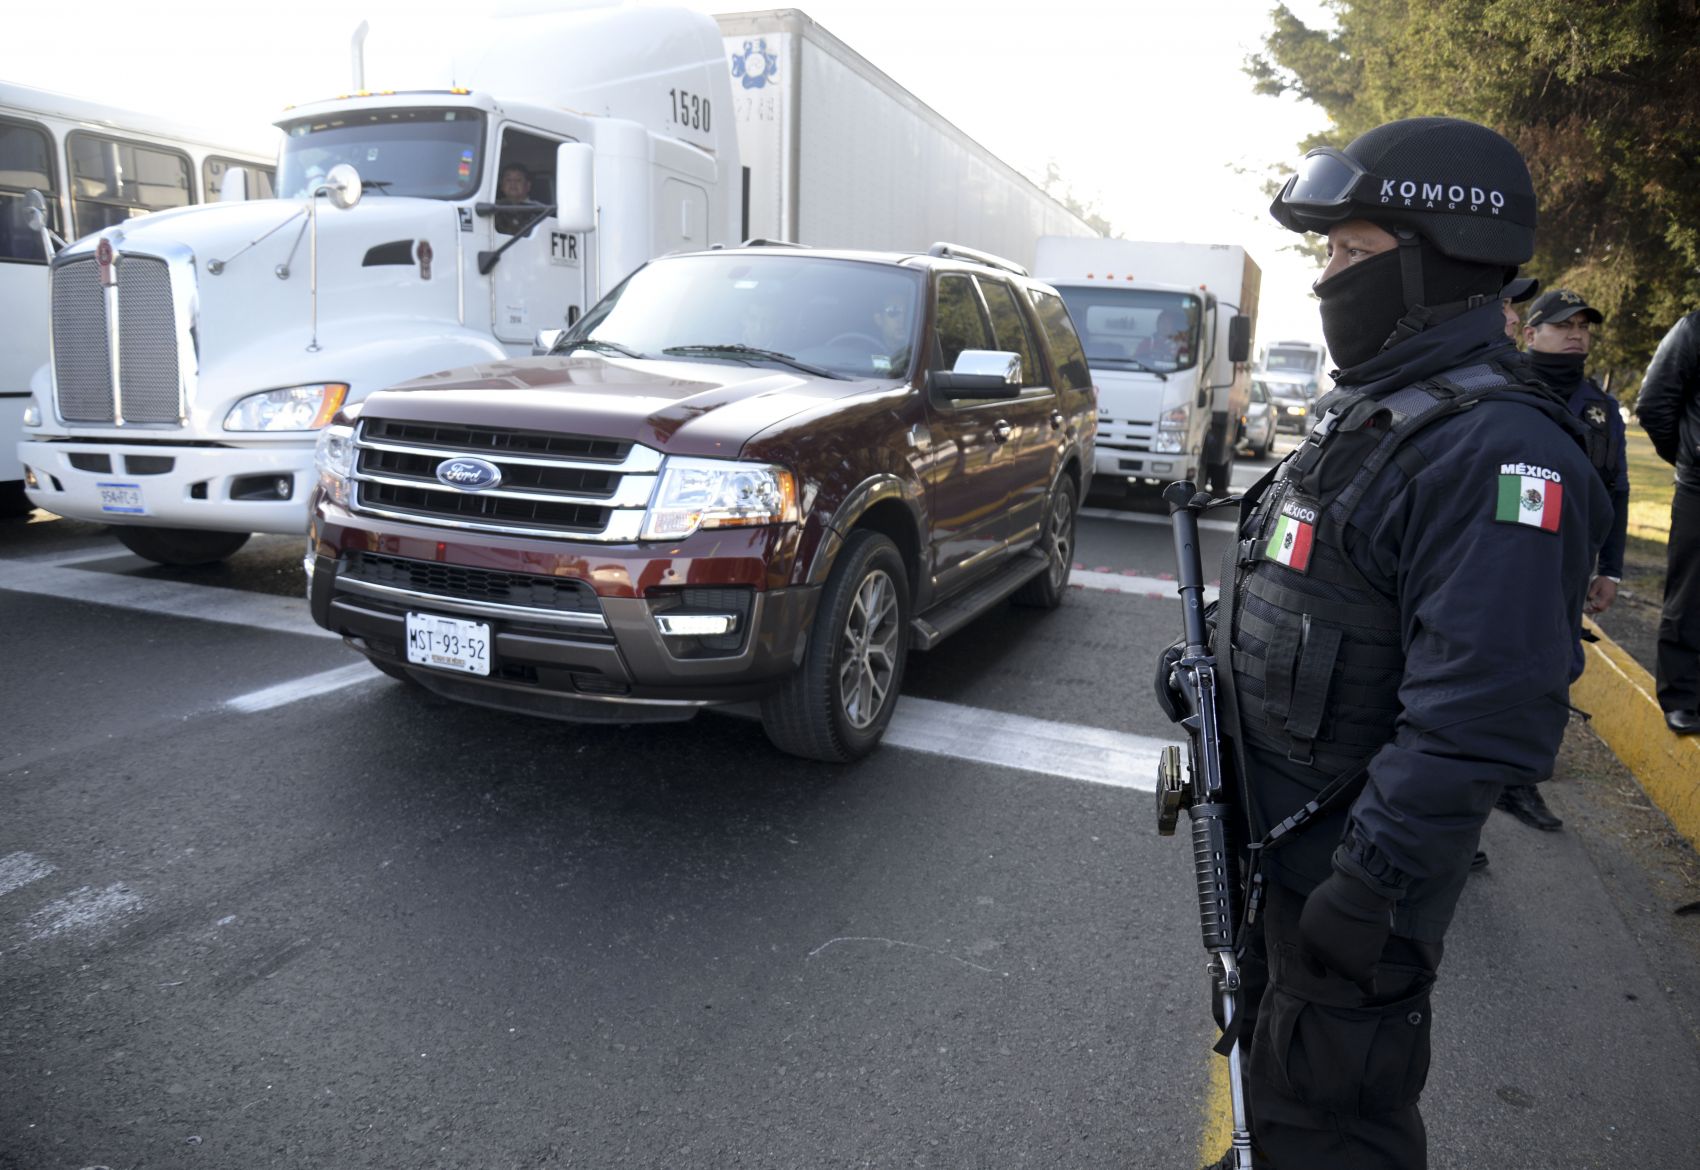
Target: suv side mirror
[981, 373]
[1239, 338]
[575, 187]
[546, 340]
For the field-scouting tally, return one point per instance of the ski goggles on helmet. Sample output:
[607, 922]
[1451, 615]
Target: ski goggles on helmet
[1320, 192]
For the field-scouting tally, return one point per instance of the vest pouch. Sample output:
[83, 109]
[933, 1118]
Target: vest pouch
[1296, 682]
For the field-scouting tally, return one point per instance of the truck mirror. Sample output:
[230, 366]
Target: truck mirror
[234, 187]
[981, 373]
[546, 340]
[342, 184]
[575, 187]
[1239, 338]
[37, 210]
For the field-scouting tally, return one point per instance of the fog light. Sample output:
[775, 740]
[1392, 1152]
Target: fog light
[29, 477]
[696, 625]
[283, 484]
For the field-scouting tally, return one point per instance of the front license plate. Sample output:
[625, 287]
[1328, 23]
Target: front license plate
[448, 643]
[121, 497]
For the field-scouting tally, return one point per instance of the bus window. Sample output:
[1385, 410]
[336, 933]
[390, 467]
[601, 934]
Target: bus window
[214, 169]
[113, 180]
[26, 164]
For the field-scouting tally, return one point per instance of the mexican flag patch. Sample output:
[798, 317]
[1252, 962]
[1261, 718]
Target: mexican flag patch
[1289, 544]
[1529, 495]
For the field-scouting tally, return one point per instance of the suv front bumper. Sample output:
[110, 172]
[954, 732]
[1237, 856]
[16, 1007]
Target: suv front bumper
[583, 641]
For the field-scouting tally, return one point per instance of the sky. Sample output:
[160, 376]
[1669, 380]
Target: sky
[1141, 104]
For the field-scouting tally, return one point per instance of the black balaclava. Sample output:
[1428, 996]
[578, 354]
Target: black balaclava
[1363, 305]
[1561, 371]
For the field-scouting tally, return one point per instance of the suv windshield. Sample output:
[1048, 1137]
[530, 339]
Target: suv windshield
[847, 317]
[1126, 328]
[1299, 361]
[432, 154]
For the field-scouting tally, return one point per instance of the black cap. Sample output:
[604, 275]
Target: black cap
[1560, 304]
[1520, 290]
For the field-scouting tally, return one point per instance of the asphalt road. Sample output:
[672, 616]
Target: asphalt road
[260, 906]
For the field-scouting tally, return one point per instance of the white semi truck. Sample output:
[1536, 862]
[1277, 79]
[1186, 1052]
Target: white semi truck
[196, 353]
[841, 156]
[87, 165]
[1168, 334]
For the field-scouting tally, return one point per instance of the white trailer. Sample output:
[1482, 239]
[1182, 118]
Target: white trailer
[92, 165]
[196, 352]
[1168, 334]
[839, 155]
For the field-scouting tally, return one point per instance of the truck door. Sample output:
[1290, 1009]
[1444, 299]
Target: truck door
[539, 281]
[973, 463]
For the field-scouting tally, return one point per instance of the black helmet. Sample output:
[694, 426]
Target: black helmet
[1460, 186]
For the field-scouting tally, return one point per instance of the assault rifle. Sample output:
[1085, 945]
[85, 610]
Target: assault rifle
[1203, 792]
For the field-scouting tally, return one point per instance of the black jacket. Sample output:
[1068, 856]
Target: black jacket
[1669, 404]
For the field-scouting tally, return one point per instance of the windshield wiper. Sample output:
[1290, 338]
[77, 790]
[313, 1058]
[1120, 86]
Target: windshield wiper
[597, 344]
[1135, 362]
[749, 351]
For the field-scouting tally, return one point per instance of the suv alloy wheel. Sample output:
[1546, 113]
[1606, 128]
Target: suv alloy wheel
[1046, 591]
[836, 707]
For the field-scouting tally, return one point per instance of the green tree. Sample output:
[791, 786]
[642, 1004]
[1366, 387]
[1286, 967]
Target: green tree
[1601, 96]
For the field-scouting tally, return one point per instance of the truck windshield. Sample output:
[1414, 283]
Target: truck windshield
[432, 154]
[1130, 328]
[1299, 361]
[847, 318]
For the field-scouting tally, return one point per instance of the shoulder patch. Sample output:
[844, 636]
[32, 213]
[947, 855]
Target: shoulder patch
[1527, 494]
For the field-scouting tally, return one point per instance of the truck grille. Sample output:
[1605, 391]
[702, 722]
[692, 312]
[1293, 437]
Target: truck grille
[534, 592]
[582, 486]
[150, 376]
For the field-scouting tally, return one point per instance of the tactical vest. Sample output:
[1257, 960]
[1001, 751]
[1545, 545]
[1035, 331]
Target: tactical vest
[1315, 647]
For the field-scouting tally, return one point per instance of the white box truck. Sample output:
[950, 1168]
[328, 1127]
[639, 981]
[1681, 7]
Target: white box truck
[196, 352]
[261, 319]
[1168, 333]
[838, 155]
[92, 165]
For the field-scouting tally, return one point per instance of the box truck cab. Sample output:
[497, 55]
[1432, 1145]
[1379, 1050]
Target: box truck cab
[1168, 330]
[196, 352]
[89, 166]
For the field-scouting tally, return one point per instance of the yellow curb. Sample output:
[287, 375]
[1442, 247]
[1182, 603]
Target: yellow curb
[1619, 694]
[1218, 1113]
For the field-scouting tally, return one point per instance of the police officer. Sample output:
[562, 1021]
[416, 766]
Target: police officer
[1399, 624]
[1510, 297]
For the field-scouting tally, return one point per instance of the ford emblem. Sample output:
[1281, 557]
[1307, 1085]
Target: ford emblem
[469, 475]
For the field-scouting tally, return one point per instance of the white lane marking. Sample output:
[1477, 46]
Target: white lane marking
[304, 688]
[255, 611]
[1068, 750]
[84, 910]
[1147, 518]
[18, 870]
[1119, 583]
[80, 556]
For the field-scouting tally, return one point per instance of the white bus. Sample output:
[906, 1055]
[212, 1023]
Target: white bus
[95, 165]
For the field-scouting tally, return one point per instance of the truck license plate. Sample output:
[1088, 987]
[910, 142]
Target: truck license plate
[121, 497]
[448, 643]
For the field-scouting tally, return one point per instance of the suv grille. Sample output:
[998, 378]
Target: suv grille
[583, 486]
[534, 592]
[150, 379]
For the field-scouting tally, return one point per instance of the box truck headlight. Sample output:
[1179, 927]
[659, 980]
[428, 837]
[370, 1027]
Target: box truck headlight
[294, 408]
[1171, 431]
[333, 455]
[718, 493]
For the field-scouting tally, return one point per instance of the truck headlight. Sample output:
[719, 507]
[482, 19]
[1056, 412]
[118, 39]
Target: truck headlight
[333, 456]
[718, 493]
[293, 408]
[32, 414]
[1171, 430]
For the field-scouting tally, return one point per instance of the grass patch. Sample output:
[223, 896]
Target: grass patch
[1652, 481]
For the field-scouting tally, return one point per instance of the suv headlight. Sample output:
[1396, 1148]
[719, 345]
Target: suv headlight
[718, 493]
[333, 455]
[293, 408]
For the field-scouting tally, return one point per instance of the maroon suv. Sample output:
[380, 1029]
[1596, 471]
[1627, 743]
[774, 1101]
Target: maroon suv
[761, 473]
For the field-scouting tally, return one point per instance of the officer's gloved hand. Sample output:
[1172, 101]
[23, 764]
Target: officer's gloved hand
[1342, 929]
